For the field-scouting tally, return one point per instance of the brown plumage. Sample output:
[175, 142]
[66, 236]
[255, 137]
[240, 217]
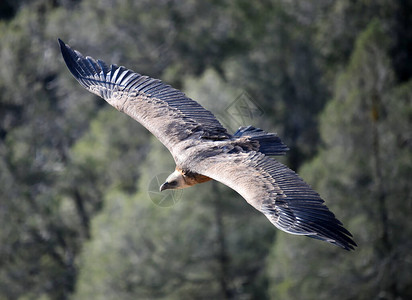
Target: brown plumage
[194, 178]
[203, 149]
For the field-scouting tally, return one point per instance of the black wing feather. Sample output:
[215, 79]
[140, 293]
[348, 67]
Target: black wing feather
[280, 194]
[103, 80]
[300, 210]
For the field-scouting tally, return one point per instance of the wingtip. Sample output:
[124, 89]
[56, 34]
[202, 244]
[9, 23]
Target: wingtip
[64, 49]
[72, 59]
[348, 245]
[337, 236]
[67, 57]
[61, 44]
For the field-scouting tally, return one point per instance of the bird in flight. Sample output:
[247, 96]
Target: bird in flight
[204, 150]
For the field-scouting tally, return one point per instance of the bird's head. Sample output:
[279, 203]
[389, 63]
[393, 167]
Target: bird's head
[176, 180]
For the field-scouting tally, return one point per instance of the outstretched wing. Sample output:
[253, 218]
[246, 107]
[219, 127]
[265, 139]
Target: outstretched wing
[279, 193]
[166, 112]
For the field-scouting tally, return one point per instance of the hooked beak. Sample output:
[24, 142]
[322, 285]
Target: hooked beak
[163, 187]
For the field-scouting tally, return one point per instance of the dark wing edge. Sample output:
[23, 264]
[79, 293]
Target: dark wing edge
[280, 194]
[104, 81]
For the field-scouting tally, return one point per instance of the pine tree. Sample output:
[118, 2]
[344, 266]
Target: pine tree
[362, 173]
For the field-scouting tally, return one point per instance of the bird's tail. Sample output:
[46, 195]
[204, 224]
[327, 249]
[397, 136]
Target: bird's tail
[269, 143]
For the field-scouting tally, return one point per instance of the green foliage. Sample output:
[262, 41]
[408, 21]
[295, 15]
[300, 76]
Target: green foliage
[146, 247]
[362, 171]
[75, 172]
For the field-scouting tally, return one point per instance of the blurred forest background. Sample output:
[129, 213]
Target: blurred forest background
[332, 78]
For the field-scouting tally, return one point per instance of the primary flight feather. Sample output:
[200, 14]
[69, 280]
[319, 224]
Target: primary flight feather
[203, 149]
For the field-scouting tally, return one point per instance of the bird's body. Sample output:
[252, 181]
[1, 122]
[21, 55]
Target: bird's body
[204, 150]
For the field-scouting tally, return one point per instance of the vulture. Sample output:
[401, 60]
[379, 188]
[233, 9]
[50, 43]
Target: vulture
[204, 150]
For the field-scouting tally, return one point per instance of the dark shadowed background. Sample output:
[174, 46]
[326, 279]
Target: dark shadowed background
[77, 215]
